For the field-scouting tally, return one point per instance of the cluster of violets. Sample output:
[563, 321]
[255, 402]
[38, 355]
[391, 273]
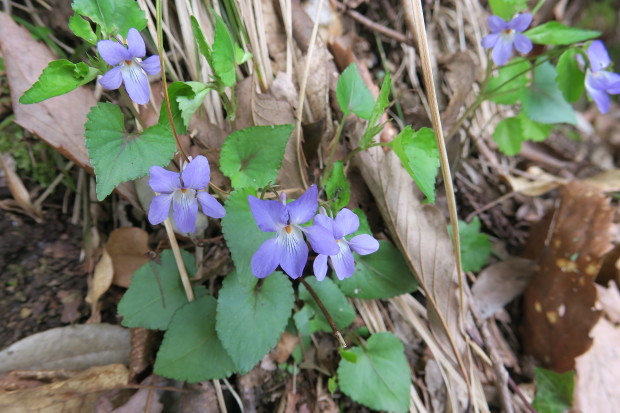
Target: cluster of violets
[184, 191]
[506, 36]
[326, 237]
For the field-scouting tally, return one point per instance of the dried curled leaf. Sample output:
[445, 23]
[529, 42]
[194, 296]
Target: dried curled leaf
[559, 305]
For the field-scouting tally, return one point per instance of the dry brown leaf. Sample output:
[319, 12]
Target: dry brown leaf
[58, 121]
[459, 74]
[99, 284]
[127, 247]
[142, 399]
[77, 394]
[18, 189]
[559, 307]
[538, 182]
[607, 181]
[256, 109]
[71, 347]
[285, 347]
[142, 350]
[275, 34]
[420, 233]
[598, 371]
[500, 283]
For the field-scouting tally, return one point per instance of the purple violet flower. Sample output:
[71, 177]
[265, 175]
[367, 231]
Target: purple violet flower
[130, 68]
[184, 191]
[600, 83]
[345, 223]
[288, 249]
[506, 35]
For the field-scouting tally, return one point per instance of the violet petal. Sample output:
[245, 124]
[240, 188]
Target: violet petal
[197, 173]
[364, 244]
[521, 22]
[598, 56]
[159, 209]
[210, 206]
[135, 44]
[502, 50]
[490, 40]
[320, 267]
[163, 181]
[112, 79]
[346, 222]
[343, 262]
[266, 259]
[496, 24]
[321, 240]
[136, 83]
[270, 215]
[522, 43]
[600, 97]
[185, 210]
[303, 208]
[294, 252]
[112, 52]
[151, 65]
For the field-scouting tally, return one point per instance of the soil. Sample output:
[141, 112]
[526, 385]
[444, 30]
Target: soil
[43, 282]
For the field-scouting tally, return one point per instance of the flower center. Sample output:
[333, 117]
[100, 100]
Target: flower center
[128, 62]
[508, 31]
[288, 229]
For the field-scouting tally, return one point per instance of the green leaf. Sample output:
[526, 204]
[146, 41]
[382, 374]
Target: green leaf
[382, 274]
[570, 79]
[543, 101]
[203, 46]
[348, 355]
[381, 104]
[353, 95]
[364, 228]
[508, 135]
[58, 78]
[156, 293]
[334, 301]
[251, 317]
[533, 131]
[554, 391]
[114, 16]
[418, 152]
[191, 350]
[242, 235]
[118, 156]
[508, 82]
[475, 246]
[337, 187]
[81, 28]
[224, 53]
[185, 99]
[380, 378]
[251, 157]
[556, 33]
[507, 8]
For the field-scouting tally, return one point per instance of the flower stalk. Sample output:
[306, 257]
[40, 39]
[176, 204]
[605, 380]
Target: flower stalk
[329, 318]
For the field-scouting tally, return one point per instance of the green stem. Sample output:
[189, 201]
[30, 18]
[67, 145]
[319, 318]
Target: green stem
[160, 50]
[361, 149]
[538, 6]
